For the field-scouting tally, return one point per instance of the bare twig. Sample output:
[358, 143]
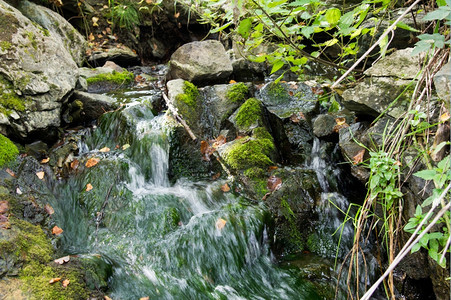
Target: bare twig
[179, 118]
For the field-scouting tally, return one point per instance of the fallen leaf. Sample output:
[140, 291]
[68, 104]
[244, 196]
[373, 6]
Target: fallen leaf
[125, 147]
[271, 168]
[358, 158]
[220, 223]
[40, 174]
[62, 260]
[89, 187]
[232, 81]
[66, 282]
[444, 117]
[18, 191]
[45, 160]
[4, 206]
[91, 37]
[220, 140]
[49, 209]
[56, 230]
[225, 188]
[53, 280]
[216, 176]
[10, 172]
[74, 164]
[92, 162]
[176, 15]
[317, 90]
[340, 121]
[291, 93]
[94, 21]
[397, 163]
[104, 149]
[107, 298]
[144, 298]
[274, 183]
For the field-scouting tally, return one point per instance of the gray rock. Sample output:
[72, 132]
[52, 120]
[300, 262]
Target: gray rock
[123, 56]
[94, 105]
[201, 62]
[349, 148]
[288, 99]
[58, 27]
[39, 68]
[323, 126]
[400, 64]
[442, 82]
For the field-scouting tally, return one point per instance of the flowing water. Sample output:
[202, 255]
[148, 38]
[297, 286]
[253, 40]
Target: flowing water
[182, 240]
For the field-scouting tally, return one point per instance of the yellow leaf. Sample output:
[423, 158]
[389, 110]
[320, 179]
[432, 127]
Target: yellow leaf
[40, 174]
[45, 160]
[94, 21]
[92, 162]
[89, 187]
[358, 158]
[340, 121]
[225, 188]
[107, 298]
[125, 147]
[444, 117]
[66, 282]
[220, 223]
[56, 230]
[232, 81]
[62, 260]
[144, 298]
[104, 149]
[53, 280]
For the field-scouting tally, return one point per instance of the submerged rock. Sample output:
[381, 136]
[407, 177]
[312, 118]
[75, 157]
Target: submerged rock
[201, 62]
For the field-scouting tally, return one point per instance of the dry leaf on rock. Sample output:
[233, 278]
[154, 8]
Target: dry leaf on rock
[53, 280]
[92, 162]
[89, 187]
[18, 191]
[8, 170]
[220, 223]
[66, 282]
[4, 206]
[62, 260]
[40, 174]
[56, 230]
[144, 298]
[104, 149]
[232, 81]
[444, 117]
[125, 147]
[74, 164]
[274, 183]
[45, 160]
[49, 209]
[107, 298]
[358, 158]
[225, 188]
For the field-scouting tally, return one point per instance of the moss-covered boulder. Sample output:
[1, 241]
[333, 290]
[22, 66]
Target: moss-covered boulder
[8, 151]
[105, 79]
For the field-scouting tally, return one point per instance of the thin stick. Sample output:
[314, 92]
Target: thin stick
[374, 46]
[178, 117]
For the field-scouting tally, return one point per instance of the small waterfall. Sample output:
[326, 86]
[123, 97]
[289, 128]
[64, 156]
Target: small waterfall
[318, 164]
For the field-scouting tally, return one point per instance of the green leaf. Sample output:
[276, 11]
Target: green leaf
[441, 2]
[279, 78]
[330, 42]
[404, 26]
[433, 254]
[221, 28]
[258, 58]
[439, 14]
[444, 163]
[426, 174]
[437, 39]
[333, 16]
[276, 3]
[307, 31]
[424, 240]
[277, 65]
[418, 211]
[245, 27]
[415, 248]
[346, 20]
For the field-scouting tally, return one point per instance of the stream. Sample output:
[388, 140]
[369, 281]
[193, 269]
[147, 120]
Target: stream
[182, 240]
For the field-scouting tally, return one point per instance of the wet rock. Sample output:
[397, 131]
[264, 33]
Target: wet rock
[442, 81]
[299, 136]
[72, 40]
[122, 56]
[106, 79]
[201, 62]
[87, 107]
[400, 64]
[287, 99]
[323, 126]
[37, 73]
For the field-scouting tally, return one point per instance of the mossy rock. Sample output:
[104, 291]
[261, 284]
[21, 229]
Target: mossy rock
[237, 93]
[9, 100]
[248, 116]
[248, 152]
[8, 151]
[109, 81]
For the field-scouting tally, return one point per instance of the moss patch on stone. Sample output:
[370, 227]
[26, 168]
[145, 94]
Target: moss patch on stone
[190, 94]
[248, 152]
[9, 100]
[8, 151]
[8, 26]
[119, 78]
[237, 92]
[5, 45]
[249, 113]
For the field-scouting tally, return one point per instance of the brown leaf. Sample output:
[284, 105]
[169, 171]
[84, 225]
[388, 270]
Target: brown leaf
[74, 164]
[232, 81]
[107, 298]
[358, 158]
[444, 117]
[4, 206]
[56, 230]
[49, 209]
[274, 183]
[53, 280]
[10, 172]
[40, 174]
[220, 223]
[225, 188]
[291, 93]
[92, 162]
[91, 37]
[317, 90]
[144, 298]
[220, 140]
[176, 15]
[104, 149]
[89, 187]
[45, 160]
[340, 121]
[271, 168]
[66, 282]
[216, 176]
[62, 260]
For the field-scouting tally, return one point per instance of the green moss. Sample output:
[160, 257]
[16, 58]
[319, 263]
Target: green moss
[248, 153]
[261, 133]
[276, 90]
[237, 92]
[36, 277]
[190, 94]
[171, 219]
[5, 45]
[8, 151]
[124, 77]
[32, 39]
[254, 172]
[9, 100]
[249, 113]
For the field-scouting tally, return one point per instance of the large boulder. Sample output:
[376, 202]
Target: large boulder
[60, 29]
[201, 62]
[37, 74]
[387, 79]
